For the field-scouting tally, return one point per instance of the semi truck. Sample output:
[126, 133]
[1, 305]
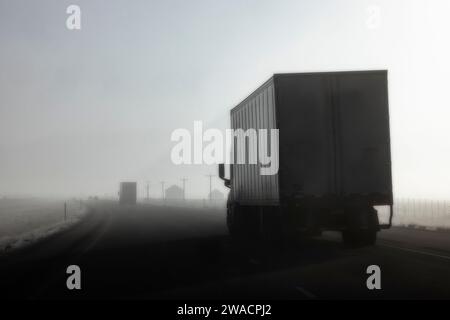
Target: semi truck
[333, 153]
[127, 193]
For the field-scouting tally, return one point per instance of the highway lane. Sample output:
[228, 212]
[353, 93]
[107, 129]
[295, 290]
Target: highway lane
[185, 253]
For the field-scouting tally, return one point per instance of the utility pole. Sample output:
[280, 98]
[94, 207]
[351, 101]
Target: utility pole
[210, 185]
[148, 191]
[184, 188]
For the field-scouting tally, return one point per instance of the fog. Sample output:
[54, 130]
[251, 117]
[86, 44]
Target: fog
[82, 110]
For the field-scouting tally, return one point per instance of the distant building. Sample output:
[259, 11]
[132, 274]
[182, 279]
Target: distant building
[174, 193]
[216, 195]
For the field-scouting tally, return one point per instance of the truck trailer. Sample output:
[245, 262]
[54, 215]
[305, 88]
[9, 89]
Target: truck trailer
[128, 193]
[334, 157]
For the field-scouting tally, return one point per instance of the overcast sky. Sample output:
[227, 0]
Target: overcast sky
[82, 110]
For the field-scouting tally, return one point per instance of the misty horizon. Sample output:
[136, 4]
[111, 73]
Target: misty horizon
[81, 111]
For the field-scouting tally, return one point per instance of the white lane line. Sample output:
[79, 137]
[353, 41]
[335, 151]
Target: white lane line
[417, 251]
[305, 292]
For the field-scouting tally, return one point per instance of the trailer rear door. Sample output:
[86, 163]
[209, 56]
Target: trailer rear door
[363, 160]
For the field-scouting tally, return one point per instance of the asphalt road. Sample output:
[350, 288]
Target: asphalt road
[185, 253]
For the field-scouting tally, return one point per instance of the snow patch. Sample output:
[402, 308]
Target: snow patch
[14, 242]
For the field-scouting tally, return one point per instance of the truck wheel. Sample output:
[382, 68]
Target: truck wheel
[349, 237]
[243, 222]
[356, 238]
[363, 237]
[370, 235]
[230, 225]
[234, 224]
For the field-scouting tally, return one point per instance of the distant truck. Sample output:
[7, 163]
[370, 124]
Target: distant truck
[128, 193]
[334, 157]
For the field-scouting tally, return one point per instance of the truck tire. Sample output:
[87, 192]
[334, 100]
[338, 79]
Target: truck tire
[366, 236]
[357, 238]
[370, 236]
[243, 222]
[350, 238]
[232, 225]
[236, 223]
